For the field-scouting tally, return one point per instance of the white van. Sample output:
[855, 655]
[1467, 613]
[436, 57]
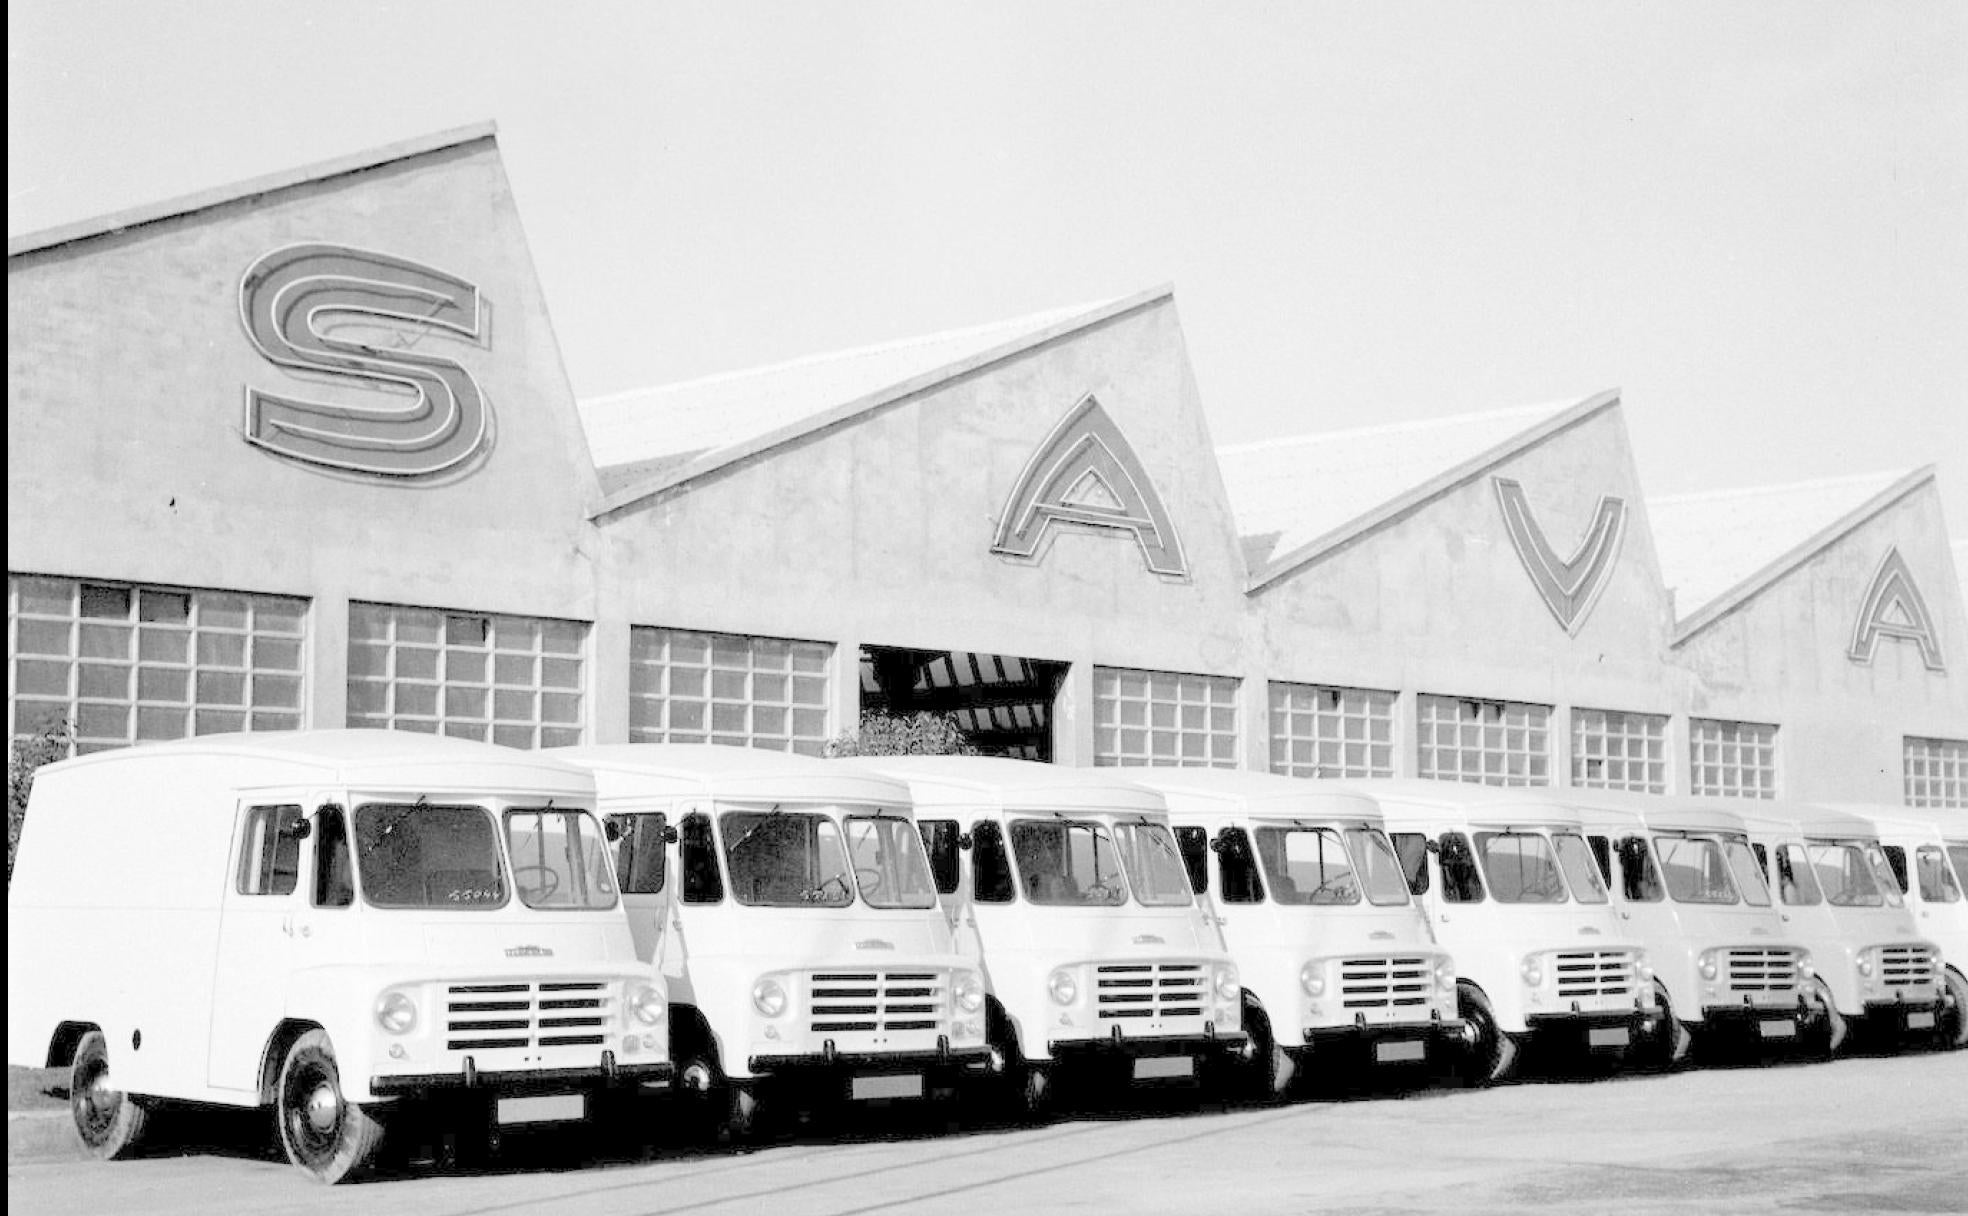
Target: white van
[1512, 890]
[1685, 881]
[1097, 960]
[1929, 871]
[1873, 970]
[1338, 963]
[326, 923]
[788, 902]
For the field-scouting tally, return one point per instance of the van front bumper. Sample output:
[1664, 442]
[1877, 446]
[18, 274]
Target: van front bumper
[1903, 1017]
[1774, 1024]
[522, 1081]
[872, 1063]
[1593, 1033]
[1386, 1043]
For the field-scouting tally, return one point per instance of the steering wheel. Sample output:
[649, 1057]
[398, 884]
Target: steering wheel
[544, 881]
[1331, 891]
[1098, 892]
[868, 878]
[818, 895]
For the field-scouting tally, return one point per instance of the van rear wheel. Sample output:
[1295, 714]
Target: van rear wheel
[110, 1122]
[326, 1136]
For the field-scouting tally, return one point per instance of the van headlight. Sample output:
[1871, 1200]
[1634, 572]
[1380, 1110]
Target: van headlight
[1227, 986]
[1865, 965]
[1063, 987]
[1708, 966]
[1805, 970]
[647, 1004]
[1445, 974]
[1532, 971]
[396, 1012]
[1312, 978]
[768, 997]
[968, 991]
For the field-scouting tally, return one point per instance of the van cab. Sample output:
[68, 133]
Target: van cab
[1338, 963]
[1873, 969]
[1929, 871]
[1066, 886]
[330, 924]
[1512, 891]
[788, 902]
[1685, 882]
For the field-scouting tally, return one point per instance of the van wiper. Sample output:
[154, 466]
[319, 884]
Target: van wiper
[755, 829]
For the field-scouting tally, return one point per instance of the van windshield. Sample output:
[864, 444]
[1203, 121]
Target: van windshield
[560, 859]
[1521, 868]
[413, 855]
[1581, 870]
[1386, 882]
[779, 858]
[1068, 862]
[1958, 854]
[1153, 865]
[1694, 870]
[890, 868]
[1847, 876]
[1749, 875]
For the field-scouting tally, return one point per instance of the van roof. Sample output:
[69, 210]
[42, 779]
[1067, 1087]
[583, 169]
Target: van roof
[716, 770]
[1661, 812]
[358, 757]
[1901, 820]
[1410, 800]
[1806, 819]
[1223, 791]
[1014, 784]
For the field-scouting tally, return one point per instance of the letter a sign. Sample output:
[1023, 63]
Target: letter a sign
[1568, 586]
[1086, 475]
[1893, 608]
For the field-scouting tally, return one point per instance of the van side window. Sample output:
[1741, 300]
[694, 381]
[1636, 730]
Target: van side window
[1896, 857]
[990, 865]
[1413, 850]
[702, 884]
[1194, 843]
[1640, 882]
[1797, 886]
[1937, 884]
[270, 853]
[1602, 853]
[639, 856]
[939, 837]
[1762, 859]
[334, 872]
[1462, 882]
[1236, 868]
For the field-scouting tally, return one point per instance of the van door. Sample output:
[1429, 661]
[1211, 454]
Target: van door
[257, 924]
[642, 873]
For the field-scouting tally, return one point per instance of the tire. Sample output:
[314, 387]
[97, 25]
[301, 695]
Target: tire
[1952, 1026]
[1672, 1040]
[1033, 1097]
[1495, 1053]
[1267, 1077]
[327, 1137]
[1837, 1033]
[109, 1121]
[742, 1122]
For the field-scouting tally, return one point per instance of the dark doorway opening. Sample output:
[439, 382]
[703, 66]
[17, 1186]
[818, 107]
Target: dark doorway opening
[1003, 703]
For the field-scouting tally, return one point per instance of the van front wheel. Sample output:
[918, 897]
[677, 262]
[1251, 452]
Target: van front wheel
[1493, 1051]
[110, 1122]
[1954, 1022]
[325, 1135]
[1836, 1031]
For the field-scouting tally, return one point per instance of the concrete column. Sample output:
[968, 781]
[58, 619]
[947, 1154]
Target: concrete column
[1072, 716]
[1680, 775]
[844, 688]
[1254, 721]
[328, 641]
[1560, 734]
[608, 680]
[1407, 734]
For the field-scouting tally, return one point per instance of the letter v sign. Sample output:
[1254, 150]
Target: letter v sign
[1569, 587]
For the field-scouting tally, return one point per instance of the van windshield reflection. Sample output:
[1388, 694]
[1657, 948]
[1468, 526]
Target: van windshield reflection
[414, 855]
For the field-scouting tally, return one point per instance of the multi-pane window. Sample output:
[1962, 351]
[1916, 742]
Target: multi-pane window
[1612, 750]
[1936, 772]
[1159, 717]
[515, 680]
[119, 663]
[1317, 731]
[1732, 759]
[687, 687]
[1489, 742]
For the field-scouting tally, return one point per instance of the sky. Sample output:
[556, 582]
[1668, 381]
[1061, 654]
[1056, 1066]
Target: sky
[1751, 217]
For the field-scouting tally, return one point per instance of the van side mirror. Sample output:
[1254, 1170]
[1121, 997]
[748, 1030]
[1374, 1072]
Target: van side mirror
[297, 828]
[670, 835]
[612, 828]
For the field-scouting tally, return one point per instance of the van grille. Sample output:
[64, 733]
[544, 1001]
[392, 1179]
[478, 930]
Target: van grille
[1906, 966]
[1150, 990]
[846, 1001]
[1763, 971]
[1384, 983]
[1595, 973]
[546, 1013]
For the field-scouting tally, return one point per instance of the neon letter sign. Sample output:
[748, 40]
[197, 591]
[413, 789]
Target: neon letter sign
[1569, 588]
[1086, 474]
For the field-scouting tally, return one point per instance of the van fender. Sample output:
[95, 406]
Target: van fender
[63, 1042]
[692, 1039]
[1003, 1032]
[275, 1054]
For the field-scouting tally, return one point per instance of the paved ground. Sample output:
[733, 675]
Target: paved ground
[1859, 1135]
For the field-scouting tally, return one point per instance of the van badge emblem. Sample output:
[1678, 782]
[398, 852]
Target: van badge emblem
[1147, 939]
[1590, 931]
[528, 952]
[1381, 935]
[873, 943]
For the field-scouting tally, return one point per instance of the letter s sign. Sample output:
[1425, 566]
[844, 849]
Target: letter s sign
[292, 300]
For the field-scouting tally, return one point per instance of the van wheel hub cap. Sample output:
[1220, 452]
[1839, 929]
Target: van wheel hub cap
[322, 1108]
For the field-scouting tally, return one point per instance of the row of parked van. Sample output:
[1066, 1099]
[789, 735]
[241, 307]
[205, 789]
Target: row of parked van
[367, 931]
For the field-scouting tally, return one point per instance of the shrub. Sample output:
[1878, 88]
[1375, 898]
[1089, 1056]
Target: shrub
[918, 734]
[52, 742]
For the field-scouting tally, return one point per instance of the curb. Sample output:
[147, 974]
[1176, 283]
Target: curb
[42, 1135]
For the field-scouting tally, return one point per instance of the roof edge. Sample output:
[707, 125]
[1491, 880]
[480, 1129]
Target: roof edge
[151, 213]
[718, 458]
[1436, 486]
[1740, 594]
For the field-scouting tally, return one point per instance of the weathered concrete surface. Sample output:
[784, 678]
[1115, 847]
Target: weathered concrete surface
[1862, 1135]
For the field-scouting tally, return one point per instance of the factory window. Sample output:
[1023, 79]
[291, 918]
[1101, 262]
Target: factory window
[1159, 717]
[1488, 742]
[1612, 750]
[1936, 772]
[1318, 731]
[120, 663]
[687, 687]
[514, 680]
[1732, 759]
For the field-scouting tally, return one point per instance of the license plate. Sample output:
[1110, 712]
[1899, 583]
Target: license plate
[1782, 1028]
[1920, 1021]
[546, 1108]
[1393, 1053]
[1606, 1036]
[1155, 1068]
[907, 1085]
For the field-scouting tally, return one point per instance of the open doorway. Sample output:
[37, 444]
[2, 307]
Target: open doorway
[1003, 703]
